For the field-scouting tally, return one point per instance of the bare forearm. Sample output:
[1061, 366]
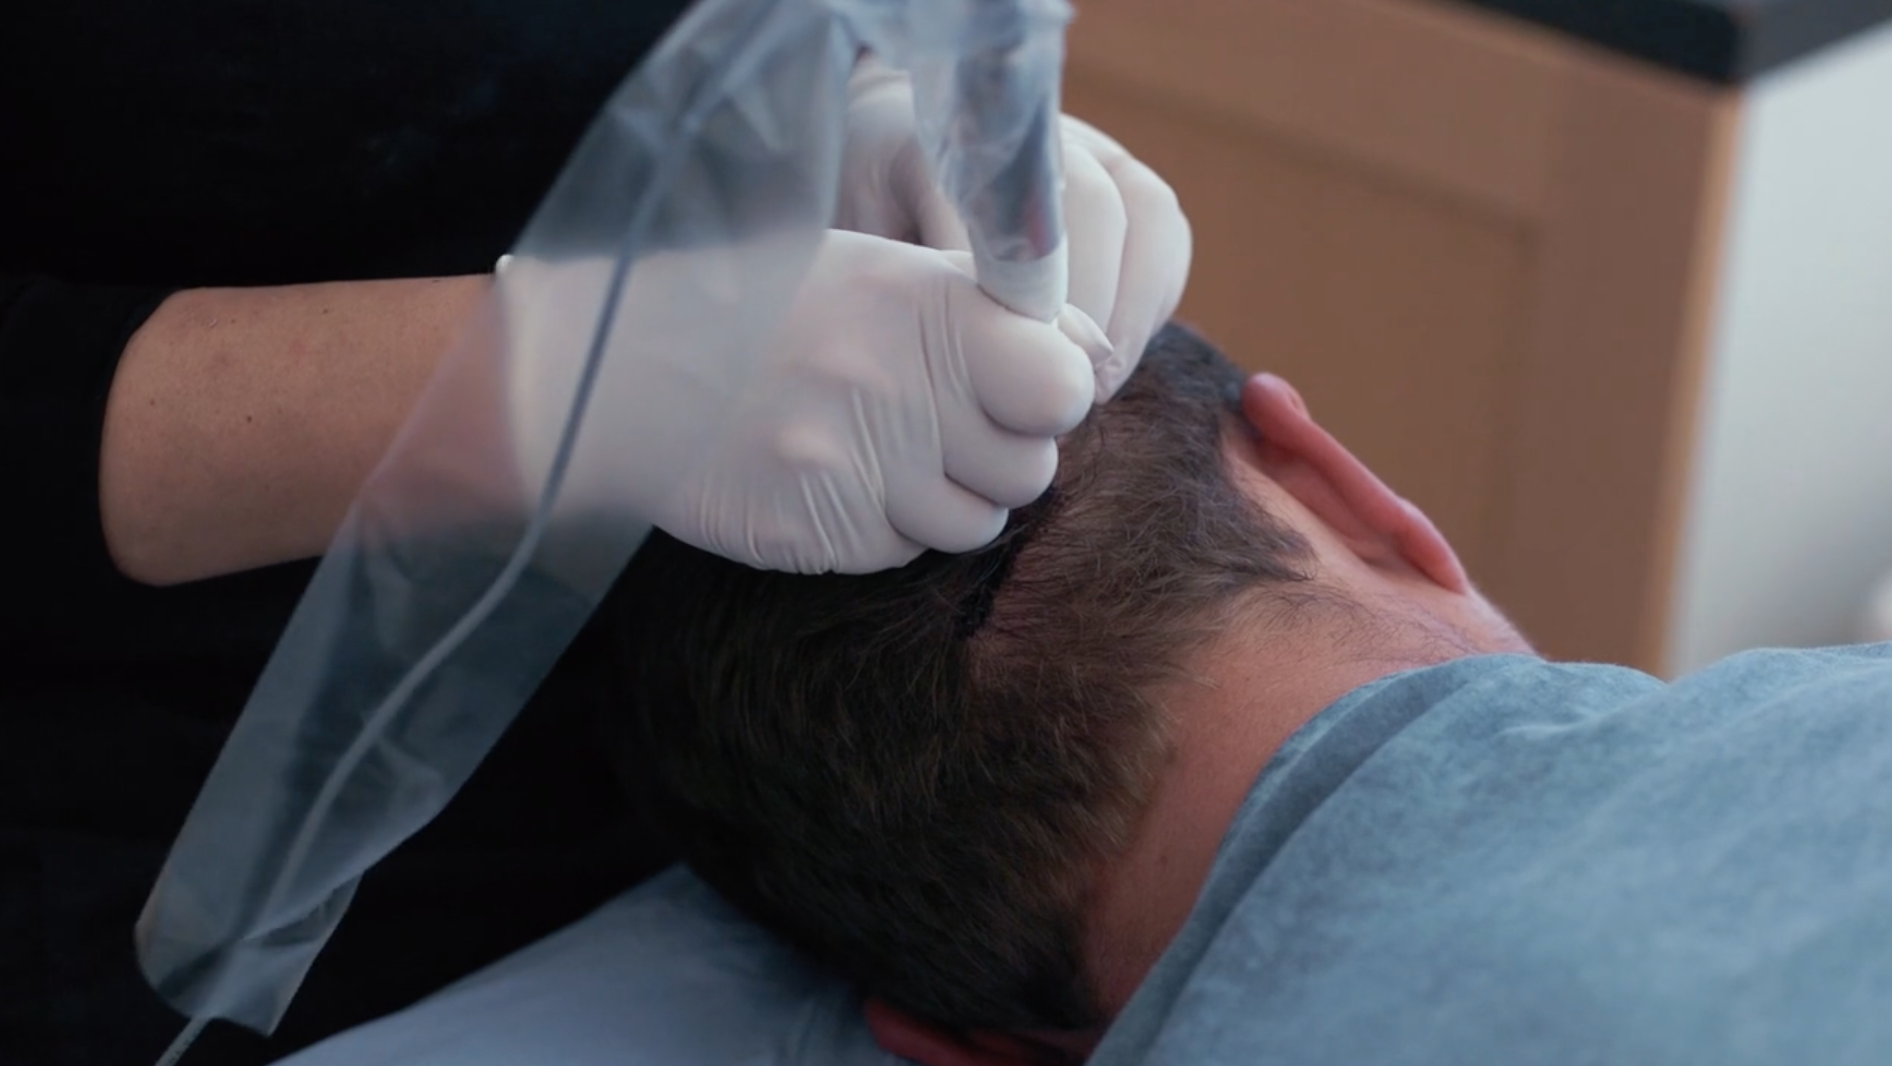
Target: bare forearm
[242, 421]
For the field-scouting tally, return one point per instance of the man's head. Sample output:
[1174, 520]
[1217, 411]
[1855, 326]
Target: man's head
[940, 779]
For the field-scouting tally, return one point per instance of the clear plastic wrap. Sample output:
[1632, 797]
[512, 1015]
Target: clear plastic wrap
[985, 86]
[690, 211]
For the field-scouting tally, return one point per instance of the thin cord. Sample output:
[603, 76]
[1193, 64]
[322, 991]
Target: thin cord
[183, 1042]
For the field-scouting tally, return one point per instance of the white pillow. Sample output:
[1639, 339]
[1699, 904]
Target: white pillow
[665, 975]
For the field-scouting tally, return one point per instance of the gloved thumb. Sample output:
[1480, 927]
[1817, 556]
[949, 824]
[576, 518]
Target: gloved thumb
[1082, 330]
[936, 219]
[1077, 327]
[1033, 378]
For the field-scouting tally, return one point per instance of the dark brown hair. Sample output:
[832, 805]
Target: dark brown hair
[916, 775]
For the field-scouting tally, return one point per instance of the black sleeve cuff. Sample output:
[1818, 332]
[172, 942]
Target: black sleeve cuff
[59, 348]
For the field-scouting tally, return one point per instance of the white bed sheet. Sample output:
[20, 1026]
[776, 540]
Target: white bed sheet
[665, 975]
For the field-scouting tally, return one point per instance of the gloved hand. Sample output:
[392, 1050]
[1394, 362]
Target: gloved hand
[1129, 241]
[896, 408]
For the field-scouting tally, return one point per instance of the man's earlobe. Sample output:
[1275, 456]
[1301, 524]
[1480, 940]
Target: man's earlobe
[918, 1040]
[1319, 471]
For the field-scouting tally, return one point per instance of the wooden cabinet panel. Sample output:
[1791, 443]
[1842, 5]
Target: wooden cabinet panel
[1484, 252]
[1392, 308]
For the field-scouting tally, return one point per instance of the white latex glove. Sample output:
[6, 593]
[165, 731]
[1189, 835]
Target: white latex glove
[897, 408]
[1129, 241]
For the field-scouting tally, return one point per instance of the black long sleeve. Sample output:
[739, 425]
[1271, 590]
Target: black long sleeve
[146, 147]
[59, 347]
[152, 145]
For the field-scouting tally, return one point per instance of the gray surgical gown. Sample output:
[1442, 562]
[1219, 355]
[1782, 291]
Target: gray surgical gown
[1502, 860]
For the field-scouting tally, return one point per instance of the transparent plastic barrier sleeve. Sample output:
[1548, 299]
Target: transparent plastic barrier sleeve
[985, 85]
[683, 223]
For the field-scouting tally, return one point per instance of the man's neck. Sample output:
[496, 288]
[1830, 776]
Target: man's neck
[1240, 702]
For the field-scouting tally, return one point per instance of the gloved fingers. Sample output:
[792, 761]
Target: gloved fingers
[1155, 257]
[1009, 469]
[890, 552]
[822, 529]
[926, 216]
[871, 74]
[887, 187]
[882, 172]
[936, 218]
[962, 261]
[1032, 378]
[1096, 227]
[1100, 144]
[934, 512]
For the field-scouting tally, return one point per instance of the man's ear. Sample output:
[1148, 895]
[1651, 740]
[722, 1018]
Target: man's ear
[918, 1040]
[1304, 459]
